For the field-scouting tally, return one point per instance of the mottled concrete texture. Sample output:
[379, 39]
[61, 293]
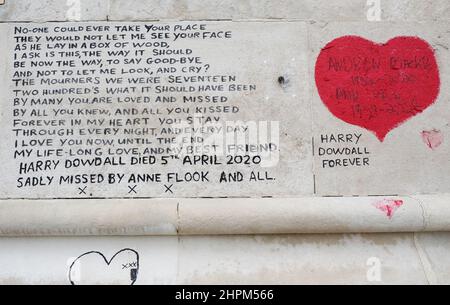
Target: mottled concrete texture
[296, 259]
[237, 9]
[91, 217]
[224, 216]
[434, 249]
[416, 10]
[54, 10]
[332, 10]
[323, 259]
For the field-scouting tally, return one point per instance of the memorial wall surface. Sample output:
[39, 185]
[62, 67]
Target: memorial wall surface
[192, 142]
[150, 110]
[223, 109]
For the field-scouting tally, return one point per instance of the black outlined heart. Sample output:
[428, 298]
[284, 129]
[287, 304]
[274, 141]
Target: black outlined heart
[94, 268]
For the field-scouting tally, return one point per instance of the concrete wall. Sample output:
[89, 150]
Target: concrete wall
[400, 150]
[350, 10]
[403, 258]
[269, 259]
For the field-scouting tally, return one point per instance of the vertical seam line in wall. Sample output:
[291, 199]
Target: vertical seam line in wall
[425, 262]
[177, 276]
[178, 219]
[108, 10]
[311, 94]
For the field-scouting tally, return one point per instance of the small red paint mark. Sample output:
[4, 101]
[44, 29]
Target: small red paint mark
[388, 206]
[377, 86]
[433, 138]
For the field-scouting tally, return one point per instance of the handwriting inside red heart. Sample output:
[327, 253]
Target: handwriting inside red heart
[377, 86]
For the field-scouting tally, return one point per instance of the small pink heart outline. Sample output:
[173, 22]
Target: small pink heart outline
[432, 138]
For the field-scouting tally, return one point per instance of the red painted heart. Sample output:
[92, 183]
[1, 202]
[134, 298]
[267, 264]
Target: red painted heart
[377, 86]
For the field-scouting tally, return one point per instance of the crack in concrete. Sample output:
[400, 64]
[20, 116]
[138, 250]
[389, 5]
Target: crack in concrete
[430, 275]
[424, 217]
